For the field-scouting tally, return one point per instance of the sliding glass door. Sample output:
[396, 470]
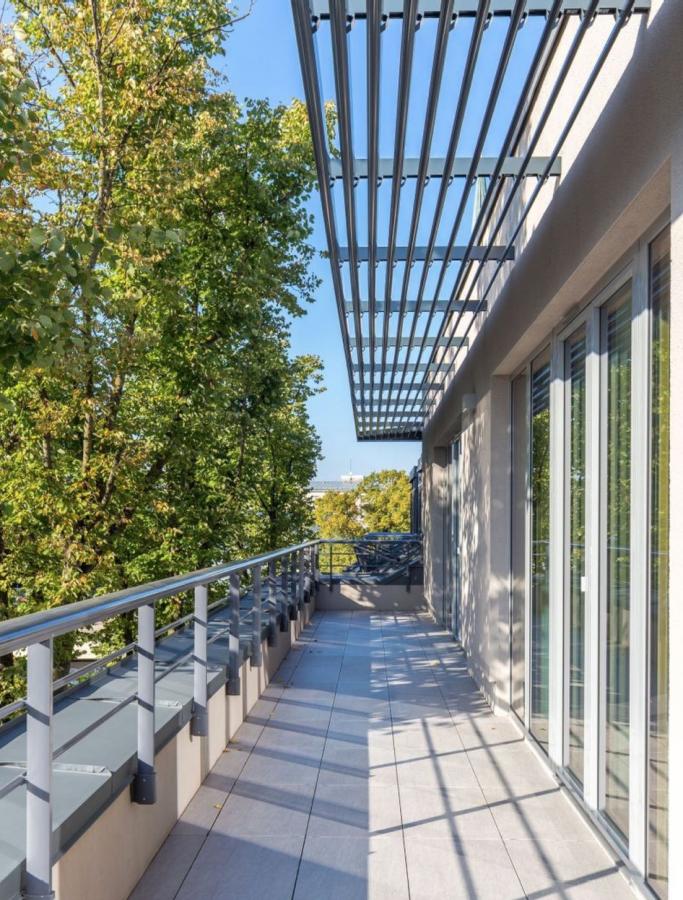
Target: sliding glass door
[590, 614]
[540, 546]
[575, 544]
[616, 361]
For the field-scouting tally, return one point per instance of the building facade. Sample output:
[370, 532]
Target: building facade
[551, 463]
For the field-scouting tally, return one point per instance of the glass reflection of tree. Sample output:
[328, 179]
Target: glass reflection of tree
[540, 557]
[618, 525]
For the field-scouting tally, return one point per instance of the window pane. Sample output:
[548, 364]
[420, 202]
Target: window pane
[617, 343]
[576, 532]
[540, 538]
[520, 464]
[658, 787]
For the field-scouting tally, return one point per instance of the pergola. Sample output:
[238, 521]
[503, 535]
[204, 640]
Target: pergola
[423, 238]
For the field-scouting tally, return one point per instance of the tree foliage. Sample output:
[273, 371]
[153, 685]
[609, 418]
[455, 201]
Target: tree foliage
[153, 248]
[380, 502]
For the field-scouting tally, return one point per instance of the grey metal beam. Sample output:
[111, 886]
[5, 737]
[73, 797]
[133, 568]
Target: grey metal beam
[338, 21]
[411, 306]
[561, 77]
[373, 58]
[357, 386]
[316, 117]
[409, 10]
[515, 21]
[550, 40]
[438, 62]
[468, 8]
[411, 367]
[421, 254]
[436, 167]
[474, 46]
[406, 342]
[573, 115]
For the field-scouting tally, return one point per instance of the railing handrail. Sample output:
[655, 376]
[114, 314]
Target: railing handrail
[287, 593]
[20, 632]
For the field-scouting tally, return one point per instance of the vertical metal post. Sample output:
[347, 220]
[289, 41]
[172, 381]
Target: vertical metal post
[284, 612]
[330, 566]
[272, 602]
[302, 576]
[284, 609]
[308, 575]
[38, 877]
[256, 655]
[199, 725]
[144, 787]
[234, 656]
[292, 582]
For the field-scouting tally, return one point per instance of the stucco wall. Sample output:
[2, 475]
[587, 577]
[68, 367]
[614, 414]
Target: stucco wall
[110, 857]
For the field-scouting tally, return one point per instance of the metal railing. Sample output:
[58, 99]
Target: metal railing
[381, 558]
[280, 593]
[263, 594]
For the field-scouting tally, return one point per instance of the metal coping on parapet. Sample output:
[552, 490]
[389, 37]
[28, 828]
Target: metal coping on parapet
[423, 238]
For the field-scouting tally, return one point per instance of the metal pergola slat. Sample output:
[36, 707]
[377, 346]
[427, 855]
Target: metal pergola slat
[394, 361]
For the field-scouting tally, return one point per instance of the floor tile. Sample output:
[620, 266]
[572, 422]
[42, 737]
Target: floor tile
[372, 766]
[348, 868]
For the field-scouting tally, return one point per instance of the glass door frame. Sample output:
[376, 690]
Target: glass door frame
[634, 267]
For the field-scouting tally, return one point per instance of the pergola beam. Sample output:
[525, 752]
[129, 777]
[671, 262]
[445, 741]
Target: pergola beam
[431, 9]
[406, 342]
[436, 167]
[421, 254]
[411, 307]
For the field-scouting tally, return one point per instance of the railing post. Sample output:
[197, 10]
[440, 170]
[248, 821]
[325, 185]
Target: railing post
[234, 656]
[256, 655]
[302, 577]
[284, 605]
[308, 575]
[144, 787]
[330, 566]
[292, 604]
[38, 877]
[272, 603]
[199, 725]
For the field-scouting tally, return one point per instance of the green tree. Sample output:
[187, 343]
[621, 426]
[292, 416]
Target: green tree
[385, 501]
[380, 502]
[337, 515]
[153, 250]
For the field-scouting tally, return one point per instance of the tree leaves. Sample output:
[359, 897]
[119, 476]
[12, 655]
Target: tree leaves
[380, 502]
[155, 244]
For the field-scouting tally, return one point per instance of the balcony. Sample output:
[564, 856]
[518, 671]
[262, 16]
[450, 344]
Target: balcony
[310, 733]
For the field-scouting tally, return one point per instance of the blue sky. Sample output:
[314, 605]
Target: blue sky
[261, 61]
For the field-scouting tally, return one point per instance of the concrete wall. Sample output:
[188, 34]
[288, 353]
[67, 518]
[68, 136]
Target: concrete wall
[380, 597]
[108, 860]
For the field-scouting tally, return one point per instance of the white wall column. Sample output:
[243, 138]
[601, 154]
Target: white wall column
[499, 539]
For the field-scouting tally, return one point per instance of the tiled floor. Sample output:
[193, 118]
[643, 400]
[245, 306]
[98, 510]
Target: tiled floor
[372, 768]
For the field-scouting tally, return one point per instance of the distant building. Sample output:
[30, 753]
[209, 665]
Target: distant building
[346, 483]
